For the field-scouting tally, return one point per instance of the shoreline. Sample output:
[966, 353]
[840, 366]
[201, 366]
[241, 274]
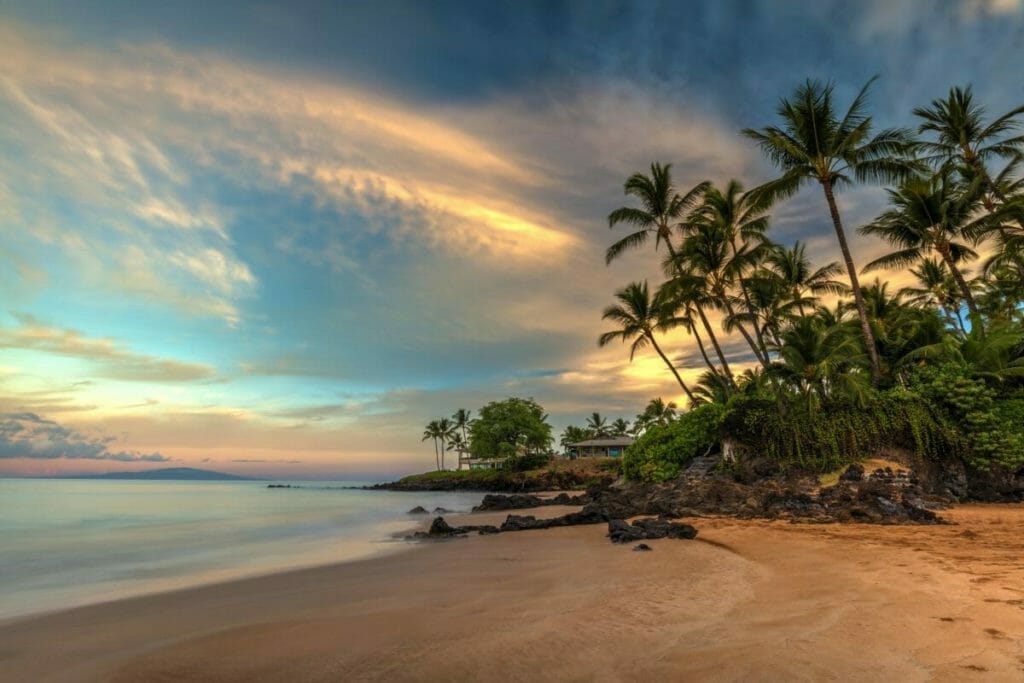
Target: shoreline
[749, 598]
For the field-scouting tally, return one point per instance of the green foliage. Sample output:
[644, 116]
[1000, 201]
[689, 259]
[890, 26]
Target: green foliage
[991, 426]
[515, 426]
[523, 463]
[840, 432]
[663, 450]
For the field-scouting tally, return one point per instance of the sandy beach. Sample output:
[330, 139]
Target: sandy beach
[747, 601]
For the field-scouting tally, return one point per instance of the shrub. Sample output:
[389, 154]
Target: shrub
[839, 432]
[662, 451]
[529, 461]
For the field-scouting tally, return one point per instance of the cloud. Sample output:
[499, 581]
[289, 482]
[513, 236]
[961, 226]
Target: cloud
[27, 435]
[108, 358]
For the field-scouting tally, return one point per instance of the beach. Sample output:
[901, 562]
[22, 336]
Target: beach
[748, 600]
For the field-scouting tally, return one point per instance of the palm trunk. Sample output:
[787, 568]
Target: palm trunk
[442, 453]
[858, 295]
[437, 460]
[743, 331]
[703, 351]
[672, 367]
[715, 345]
[965, 289]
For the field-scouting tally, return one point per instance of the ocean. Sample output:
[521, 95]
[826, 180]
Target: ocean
[70, 542]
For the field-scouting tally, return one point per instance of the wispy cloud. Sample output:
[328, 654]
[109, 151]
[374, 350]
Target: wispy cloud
[107, 358]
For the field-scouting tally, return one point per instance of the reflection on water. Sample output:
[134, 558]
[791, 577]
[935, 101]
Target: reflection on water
[74, 542]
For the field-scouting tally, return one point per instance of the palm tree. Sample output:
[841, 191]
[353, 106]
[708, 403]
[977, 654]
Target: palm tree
[798, 277]
[817, 361]
[662, 208]
[815, 144]
[620, 427]
[462, 418]
[706, 255]
[433, 431]
[745, 226]
[657, 412]
[689, 293]
[446, 430]
[962, 135]
[638, 317]
[936, 289]
[597, 425]
[931, 215]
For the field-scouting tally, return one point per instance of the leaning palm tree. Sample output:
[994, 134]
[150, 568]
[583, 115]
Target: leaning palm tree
[690, 294]
[931, 215]
[814, 144]
[433, 431]
[707, 254]
[745, 227]
[639, 317]
[661, 210]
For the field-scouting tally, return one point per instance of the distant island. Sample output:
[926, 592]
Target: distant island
[166, 474]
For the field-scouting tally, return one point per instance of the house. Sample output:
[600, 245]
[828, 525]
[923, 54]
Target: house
[470, 463]
[607, 446]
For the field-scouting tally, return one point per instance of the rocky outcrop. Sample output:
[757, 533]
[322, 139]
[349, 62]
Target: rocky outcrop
[621, 531]
[494, 502]
[440, 529]
[418, 510]
[880, 498]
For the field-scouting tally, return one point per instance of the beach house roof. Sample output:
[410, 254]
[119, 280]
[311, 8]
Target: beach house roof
[621, 441]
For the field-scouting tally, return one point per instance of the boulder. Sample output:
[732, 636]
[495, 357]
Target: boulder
[418, 510]
[854, 472]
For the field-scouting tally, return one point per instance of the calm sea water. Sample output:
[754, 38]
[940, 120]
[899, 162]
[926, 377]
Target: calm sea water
[74, 542]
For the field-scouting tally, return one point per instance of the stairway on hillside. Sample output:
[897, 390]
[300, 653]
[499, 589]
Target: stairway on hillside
[701, 465]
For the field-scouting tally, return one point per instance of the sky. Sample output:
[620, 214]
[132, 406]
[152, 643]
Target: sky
[276, 239]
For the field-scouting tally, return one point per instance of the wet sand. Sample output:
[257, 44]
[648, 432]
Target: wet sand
[765, 601]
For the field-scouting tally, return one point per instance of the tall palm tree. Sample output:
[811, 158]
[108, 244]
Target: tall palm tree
[433, 431]
[462, 418]
[964, 137]
[446, 429]
[706, 254]
[661, 210]
[639, 317]
[620, 427]
[597, 425]
[815, 144]
[797, 276]
[690, 293]
[745, 226]
[933, 214]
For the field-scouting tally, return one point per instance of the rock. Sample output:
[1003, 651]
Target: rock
[418, 510]
[854, 472]
[642, 547]
[621, 531]
[439, 511]
[439, 527]
[518, 501]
